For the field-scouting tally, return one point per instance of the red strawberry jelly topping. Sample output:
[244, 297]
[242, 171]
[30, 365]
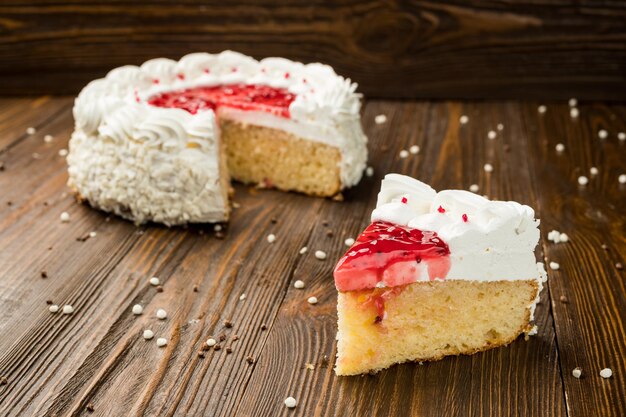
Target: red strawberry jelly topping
[238, 96]
[394, 255]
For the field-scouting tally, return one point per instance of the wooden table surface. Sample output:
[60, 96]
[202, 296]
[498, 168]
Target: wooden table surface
[96, 362]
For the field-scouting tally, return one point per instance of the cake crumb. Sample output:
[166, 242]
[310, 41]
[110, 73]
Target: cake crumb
[603, 134]
[161, 314]
[90, 408]
[290, 402]
[263, 327]
[3, 380]
[414, 149]
[148, 334]
[321, 255]
[303, 250]
[619, 266]
[542, 109]
[463, 119]
[68, 309]
[159, 288]
[380, 119]
[488, 168]
[309, 366]
[154, 281]
[271, 238]
[582, 180]
[577, 372]
[573, 112]
[606, 373]
[65, 217]
[404, 153]
[299, 284]
[250, 359]
[44, 274]
[563, 299]
[161, 341]
[349, 241]
[559, 147]
[554, 266]
[369, 171]
[312, 300]
[137, 309]
[228, 324]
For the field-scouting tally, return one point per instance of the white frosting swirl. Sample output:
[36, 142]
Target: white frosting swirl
[496, 242]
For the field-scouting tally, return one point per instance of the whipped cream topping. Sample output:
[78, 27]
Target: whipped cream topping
[326, 108]
[488, 240]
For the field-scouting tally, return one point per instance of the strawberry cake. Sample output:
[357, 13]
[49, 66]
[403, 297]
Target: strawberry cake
[160, 142]
[435, 274]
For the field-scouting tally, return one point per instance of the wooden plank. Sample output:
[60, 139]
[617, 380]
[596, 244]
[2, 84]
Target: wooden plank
[451, 156]
[450, 49]
[591, 321]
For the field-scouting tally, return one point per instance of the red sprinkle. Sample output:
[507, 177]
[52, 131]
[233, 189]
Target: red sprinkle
[181, 76]
[441, 209]
[404, 200]
[155, 81]
[206, 71]
[464, 216]
[287, 75]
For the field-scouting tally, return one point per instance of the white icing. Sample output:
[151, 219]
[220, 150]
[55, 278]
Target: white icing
[496, 243]
[326, 105]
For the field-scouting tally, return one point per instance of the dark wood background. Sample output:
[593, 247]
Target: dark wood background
[419, 49]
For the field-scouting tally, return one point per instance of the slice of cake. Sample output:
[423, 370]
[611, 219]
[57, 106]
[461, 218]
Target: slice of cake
[435, 274]
[160, 142]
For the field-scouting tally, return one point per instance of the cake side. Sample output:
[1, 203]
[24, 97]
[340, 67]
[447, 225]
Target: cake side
[154, 166]
[426, 321]
[275, 158]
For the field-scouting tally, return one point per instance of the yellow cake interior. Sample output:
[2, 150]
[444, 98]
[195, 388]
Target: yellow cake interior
[429, 320]
[278, 159]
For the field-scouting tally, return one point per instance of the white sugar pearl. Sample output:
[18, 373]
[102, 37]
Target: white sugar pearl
[369, 171]
[582, 180]
[299, 284]
[68, 309]
[563, 237]
[492, 134]
[93, 234]
[380, 119]
[404, 153]
[603, 134]
[148, 334]
[211, 342]
[65, 217]
[217, 228]
[542, 109]
[606, 373]
[137, 309]
[63, 152]
[488, 168]
[474, 188]
[622, 179]
[312, 300]
[621, 136]
[572, 102]
[161, 341]
[48, 138]
[593, 171]
[242, 297]
[577, 372]
[500, 126]
[31, 131]
[154, 281]
[573, 112]
[349, 241]
[290, 402]
[271, 238]
[320, 254]
[53, 308]
[414, 149]
[463, 119]
[560, 147]
[303, 250]
[554, 266]
[161, 314]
